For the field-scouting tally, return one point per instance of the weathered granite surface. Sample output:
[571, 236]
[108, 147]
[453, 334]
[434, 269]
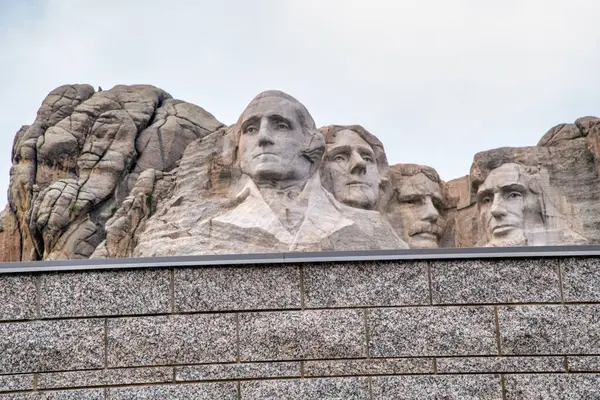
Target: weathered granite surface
[571, 387]
[279, 347]
[130, 171]
[51, 345]
[366, 284]
[302, 335]
[210, 372]
[104, 377]
[88, 394]
[373, 366]
[173, 339]
[552, 329]
[437, 387]
[104, 293]
[432, 331]
[493, 281]
[308, 389]
[11, 383]
[241, 288]
[18, 297]
[205, 391]
[581, 279]
[500, 364]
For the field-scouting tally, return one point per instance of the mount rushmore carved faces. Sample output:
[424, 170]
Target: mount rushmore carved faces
[355, 165]
[279, 203]
[416, 205]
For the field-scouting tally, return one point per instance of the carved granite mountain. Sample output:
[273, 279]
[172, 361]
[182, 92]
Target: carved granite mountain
[561, 174]
[80, 159]
[254, 187]
[131, 171]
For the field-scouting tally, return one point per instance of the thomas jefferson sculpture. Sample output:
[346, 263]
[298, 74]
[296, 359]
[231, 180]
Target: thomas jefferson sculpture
[355, 166]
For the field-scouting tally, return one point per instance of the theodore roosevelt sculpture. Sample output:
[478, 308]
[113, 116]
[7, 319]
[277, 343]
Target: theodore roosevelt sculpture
[517, 207]
[355, 166]
[415, 205]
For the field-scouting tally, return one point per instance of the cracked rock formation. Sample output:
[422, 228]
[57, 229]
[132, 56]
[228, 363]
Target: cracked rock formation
[81, 158]
[131, 171]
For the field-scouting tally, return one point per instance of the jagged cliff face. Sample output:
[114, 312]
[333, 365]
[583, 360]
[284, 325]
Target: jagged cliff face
[79, 161]
[131, 171]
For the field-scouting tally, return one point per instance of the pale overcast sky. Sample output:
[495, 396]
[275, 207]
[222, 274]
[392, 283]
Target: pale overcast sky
[435, 80]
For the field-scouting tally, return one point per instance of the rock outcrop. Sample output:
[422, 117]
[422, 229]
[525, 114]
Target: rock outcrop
[80, 159]
[131, 171]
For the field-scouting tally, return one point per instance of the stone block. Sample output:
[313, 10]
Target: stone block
[448, 387]
[209, 372]
[552, 386]
[240, 288]
[361, 284]
[89, 394]
[104, 377]
[495, 281]
[39, 346]
[373, 366]
[293, 335]
[173, 339]
[550, 329]
[500, 364]
[202, 391]
[17, 297]
[95, 293]
[10, 383]
[581, 279]
[584, 363]
[432, 331]
[307, 389]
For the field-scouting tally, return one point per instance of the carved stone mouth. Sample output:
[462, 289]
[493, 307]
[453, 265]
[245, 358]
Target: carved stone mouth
[503, 227]
[264, 154]
[357, 183]
[427, 235]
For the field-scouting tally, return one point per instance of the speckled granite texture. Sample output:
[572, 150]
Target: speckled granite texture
[456, 329]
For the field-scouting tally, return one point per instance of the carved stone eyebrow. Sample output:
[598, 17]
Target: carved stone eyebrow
[484, 193]
[280, 118]
[514, 187]
[249, 121]
[339, 149]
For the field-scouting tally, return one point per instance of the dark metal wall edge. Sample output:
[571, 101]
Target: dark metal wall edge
[313, 257]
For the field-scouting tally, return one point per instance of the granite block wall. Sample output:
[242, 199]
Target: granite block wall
[448, 329]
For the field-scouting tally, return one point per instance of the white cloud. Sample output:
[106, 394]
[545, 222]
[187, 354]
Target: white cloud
[437, 81]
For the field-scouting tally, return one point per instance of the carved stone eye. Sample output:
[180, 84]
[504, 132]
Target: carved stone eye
[514, 195]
